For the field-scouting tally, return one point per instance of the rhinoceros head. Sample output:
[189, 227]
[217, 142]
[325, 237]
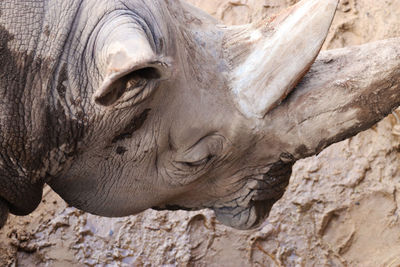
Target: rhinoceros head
[178, 110]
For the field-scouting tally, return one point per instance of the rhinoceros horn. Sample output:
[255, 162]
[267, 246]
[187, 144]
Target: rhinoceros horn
[278, 53]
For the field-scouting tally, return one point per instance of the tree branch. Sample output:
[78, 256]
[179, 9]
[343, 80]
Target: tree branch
[346, 91]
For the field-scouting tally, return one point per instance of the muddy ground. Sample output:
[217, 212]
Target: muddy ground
[340, 209]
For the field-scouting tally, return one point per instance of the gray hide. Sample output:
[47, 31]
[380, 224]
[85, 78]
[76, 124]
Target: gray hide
[121, 106]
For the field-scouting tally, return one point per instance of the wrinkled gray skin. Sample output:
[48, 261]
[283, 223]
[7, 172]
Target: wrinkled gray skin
[178, 143]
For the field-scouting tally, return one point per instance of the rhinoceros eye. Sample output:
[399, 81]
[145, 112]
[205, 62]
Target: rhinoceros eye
[190, 162]
[131, 85]
[199, 162]
[203, 152]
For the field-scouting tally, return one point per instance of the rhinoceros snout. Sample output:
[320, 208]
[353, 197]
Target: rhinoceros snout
[260, 192]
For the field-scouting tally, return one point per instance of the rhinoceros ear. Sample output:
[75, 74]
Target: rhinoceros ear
[129, 63]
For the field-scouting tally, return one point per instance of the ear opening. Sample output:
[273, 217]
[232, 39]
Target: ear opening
[133, 82]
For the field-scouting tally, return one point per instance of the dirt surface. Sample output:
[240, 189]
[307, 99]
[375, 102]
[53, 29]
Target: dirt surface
[340, 209]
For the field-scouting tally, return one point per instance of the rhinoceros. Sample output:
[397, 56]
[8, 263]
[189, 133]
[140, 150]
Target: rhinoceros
[121, 106]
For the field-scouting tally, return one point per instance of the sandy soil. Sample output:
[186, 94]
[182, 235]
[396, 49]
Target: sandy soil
[340, 209]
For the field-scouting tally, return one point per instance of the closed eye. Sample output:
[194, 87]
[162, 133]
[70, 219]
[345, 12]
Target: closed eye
[199, 162]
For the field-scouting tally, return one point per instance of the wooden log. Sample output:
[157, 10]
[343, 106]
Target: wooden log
[345, 92]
